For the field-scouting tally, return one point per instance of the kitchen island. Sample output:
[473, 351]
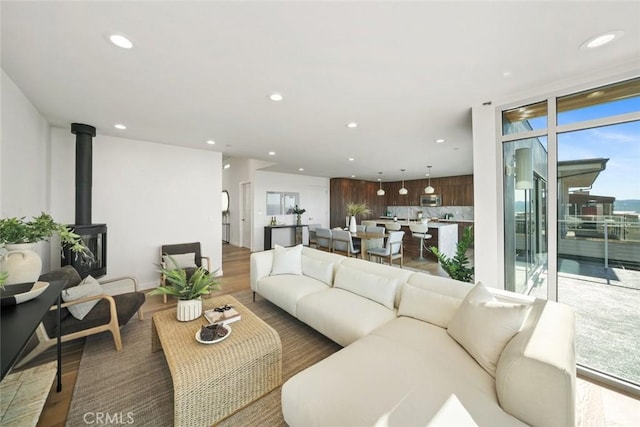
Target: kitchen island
[444, 237]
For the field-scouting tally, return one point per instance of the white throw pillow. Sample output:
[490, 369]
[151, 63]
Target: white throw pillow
[484, 326]
[182, 261]
[428, 306]
[87, 288]
[287, 260]
[376, 288]
[318, 269]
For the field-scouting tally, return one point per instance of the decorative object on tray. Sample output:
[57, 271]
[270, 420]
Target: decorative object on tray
[212, 334]
[298, 211]
[355, 209]
[225, 314]
[19, 237]
[188, 291]
[21, 292]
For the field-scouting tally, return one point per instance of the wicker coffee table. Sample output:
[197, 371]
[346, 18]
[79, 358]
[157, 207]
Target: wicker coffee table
[211, 382]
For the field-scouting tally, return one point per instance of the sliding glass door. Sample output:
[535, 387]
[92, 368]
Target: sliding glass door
[593, 138]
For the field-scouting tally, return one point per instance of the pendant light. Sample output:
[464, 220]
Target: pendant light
[380, 191]
[403, 191]
[429, 189]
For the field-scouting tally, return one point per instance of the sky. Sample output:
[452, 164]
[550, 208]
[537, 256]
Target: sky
[619, 143]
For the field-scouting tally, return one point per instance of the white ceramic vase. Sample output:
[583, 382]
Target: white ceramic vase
[352, 225]
[22, 263]
[188, 310]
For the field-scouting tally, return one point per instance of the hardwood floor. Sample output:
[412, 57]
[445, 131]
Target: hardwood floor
[596, 406]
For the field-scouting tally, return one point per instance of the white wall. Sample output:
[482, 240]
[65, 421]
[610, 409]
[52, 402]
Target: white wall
[264, 181]
[24, 158]
[148, 194]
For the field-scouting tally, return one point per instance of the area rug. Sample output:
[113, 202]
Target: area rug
[134, 386]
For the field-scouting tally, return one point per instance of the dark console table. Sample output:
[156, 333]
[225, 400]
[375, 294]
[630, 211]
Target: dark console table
[296, 235]
[19, 322]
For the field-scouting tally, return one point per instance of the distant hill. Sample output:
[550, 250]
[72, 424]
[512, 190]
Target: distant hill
[631, 205]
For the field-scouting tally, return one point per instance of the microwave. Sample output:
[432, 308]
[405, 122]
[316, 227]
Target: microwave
[430, 200]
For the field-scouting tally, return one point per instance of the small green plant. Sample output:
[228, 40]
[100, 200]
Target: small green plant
[457, 267]
[298, 211]
[17, 230]
[355, 209]
[3, 278]
[177, 284]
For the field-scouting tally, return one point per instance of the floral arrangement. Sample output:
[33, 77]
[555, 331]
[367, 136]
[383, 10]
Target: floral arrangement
[298, 211]
[355, 209]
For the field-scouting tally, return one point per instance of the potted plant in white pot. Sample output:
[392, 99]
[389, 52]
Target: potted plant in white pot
[353, 210]
[188, 290]
[18, 236]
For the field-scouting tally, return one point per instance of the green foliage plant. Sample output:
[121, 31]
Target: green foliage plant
[457, 267]
[177, 284]
[298, 211]
[355, 209]
[18, 230]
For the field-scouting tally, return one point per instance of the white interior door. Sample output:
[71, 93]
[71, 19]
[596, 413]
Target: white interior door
[245, 216]
[317, 206]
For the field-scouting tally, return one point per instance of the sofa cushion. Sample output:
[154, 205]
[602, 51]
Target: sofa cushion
[342, 315]
[441, 285]
[180, 261]
[377, 288]
[484, 326]
[401, 374]
[285, 290]
[399, 274]
[428, 306]
[89, 287]
[317, 269]
[287, 260]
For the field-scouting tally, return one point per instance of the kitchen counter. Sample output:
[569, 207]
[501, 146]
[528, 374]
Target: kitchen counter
[470, 221]
[444, 237]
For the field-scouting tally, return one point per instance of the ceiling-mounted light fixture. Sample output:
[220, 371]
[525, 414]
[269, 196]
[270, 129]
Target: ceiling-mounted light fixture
[380, 191]
[403, 191]
[429, 189]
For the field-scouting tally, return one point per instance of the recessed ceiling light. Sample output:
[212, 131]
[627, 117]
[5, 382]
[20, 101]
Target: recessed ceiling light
[227, 165]
[211, 142]
[276, 97]
[301, 169]
[119, 126]
[351, 159]
[601, 40]
[439, 141]
[352, 125]
[120, 41]
[353, 176]
[506, 73]
[272, 153]
[595, 94]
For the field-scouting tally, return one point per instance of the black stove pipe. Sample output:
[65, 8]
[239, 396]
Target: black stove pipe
[84, 161]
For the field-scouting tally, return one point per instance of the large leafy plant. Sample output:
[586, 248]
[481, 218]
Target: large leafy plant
[18, 230]
[177, 284]
[457, 267]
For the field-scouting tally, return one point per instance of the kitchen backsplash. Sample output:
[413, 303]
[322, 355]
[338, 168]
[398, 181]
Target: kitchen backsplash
[411, 212]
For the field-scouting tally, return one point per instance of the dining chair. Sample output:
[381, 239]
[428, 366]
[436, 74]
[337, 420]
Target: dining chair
[323, 239]
[312, 233]
[392, 250]
[375, 243]
[342, 242]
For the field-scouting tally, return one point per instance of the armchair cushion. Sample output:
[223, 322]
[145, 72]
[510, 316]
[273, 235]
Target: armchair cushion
[89, 287]
[182, 261]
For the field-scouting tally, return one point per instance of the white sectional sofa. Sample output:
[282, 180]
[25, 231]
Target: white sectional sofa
[419, 349]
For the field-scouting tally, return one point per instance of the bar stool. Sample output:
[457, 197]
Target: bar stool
[419, 231]
[393, 226]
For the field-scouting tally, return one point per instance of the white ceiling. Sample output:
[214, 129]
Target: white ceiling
[407, 73]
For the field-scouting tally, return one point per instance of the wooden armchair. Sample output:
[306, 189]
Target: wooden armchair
[113, 310]
[182, 252]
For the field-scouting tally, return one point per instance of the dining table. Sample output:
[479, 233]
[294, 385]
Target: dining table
[366, 237]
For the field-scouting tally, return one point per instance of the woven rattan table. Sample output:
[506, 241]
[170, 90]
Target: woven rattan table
[212, 381]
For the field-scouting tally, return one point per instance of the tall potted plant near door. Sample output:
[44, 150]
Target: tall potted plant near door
[188, 290]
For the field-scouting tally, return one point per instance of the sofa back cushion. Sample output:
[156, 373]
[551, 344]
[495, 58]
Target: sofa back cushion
[400, 275]
[442, 285]
[317, 269]
[374, 287]
[287, 260]
[484, 326]
[428, 306]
